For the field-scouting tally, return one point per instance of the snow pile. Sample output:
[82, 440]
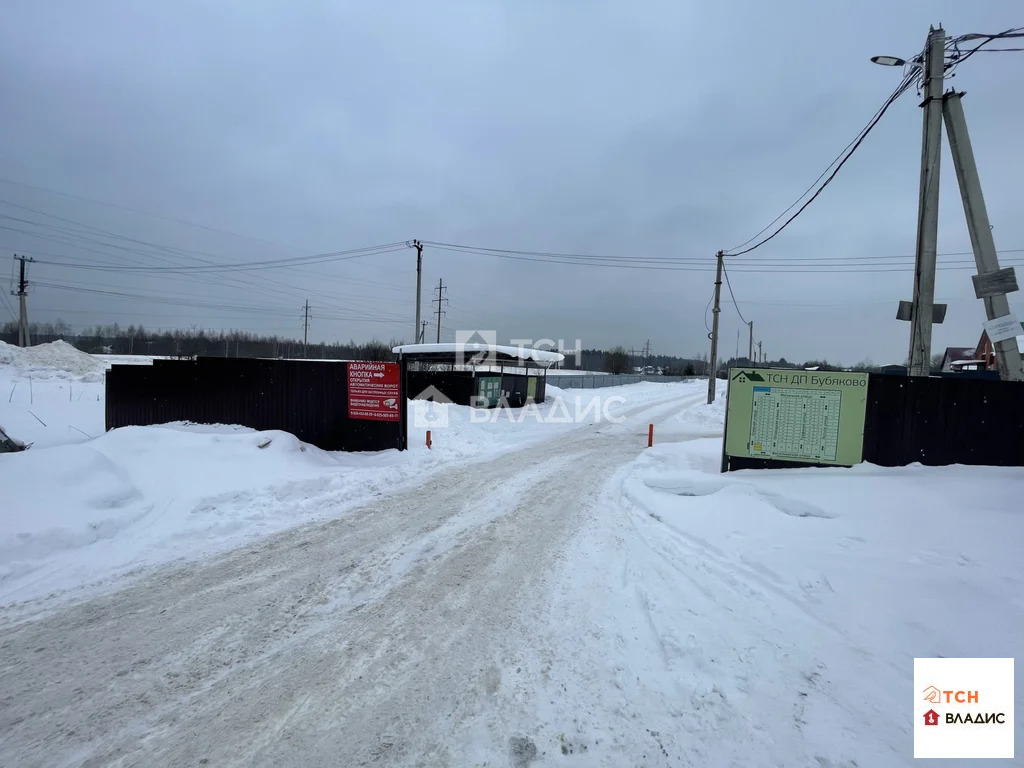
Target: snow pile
[703, 419]
[145, 495]
[56, 358]
[150, 494]
[772, 617]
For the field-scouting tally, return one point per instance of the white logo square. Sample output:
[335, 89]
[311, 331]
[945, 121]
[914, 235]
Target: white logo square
[963, 708]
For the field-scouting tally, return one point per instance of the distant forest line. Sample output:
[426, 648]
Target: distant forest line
[137, 340]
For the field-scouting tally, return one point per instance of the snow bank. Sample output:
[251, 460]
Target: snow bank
[772, 617]
[140, 495]
[76, 513]
[54, 359]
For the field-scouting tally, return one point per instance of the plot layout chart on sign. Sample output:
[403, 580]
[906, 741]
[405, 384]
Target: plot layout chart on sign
[795, 423]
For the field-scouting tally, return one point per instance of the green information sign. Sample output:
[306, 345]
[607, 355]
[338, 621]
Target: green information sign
[488, 388]
[815, 417]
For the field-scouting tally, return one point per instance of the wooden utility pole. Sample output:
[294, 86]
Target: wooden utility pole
[750, 353]
[713, 369]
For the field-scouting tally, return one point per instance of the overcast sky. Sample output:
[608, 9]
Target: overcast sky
[640, 129]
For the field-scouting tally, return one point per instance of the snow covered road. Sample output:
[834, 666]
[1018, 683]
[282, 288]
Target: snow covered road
[401, 633]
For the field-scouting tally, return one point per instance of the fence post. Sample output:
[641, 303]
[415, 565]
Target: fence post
[428, 439]
[650, 435]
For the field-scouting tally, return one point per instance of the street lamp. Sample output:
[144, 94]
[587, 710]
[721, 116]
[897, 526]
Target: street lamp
[889, 61]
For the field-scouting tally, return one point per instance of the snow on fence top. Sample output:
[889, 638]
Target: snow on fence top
[499, 351]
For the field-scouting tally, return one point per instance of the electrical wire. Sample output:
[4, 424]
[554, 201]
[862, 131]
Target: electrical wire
[731, 294]
[908, 76]
[10, 307]
[319, 258]
[957, 58]
[752, 265]
[139, 212]
[900, 90]
[706, 308]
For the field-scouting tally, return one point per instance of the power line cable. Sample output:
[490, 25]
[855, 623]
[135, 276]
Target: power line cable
[751, 266]
[706, 308]
[140, 212]
[355, 253]
[733, 295]
[10, 307]
[814, 183]
[900, 90]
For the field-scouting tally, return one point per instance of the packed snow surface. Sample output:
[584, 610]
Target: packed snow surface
[534, 591]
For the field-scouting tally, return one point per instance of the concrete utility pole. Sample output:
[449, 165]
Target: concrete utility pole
[419, 280]
[713, 369]
[928, 206]
[750, 352]
[440, 301]
[305, 327]
[991, 284]
[24, 340]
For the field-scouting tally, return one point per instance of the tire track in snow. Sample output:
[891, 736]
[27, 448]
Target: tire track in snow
[397, 634]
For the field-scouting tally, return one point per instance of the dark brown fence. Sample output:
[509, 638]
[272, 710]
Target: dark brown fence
[940, 421]
[308, 399]
[935, 421]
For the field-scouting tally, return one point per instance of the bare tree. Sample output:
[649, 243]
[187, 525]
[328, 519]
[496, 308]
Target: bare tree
[376, 351]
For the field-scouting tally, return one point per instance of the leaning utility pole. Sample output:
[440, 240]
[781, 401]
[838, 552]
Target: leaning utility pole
[750, 353]
[24, 340]
[928, 206]
[713, 369]
[440, 301]
[305, 328]
[423, 332]
[991, 284]
[419, 279]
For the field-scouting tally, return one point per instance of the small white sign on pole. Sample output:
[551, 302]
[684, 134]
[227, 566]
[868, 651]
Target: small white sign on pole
[1003, 328]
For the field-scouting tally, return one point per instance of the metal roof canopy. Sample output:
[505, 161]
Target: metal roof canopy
[479, 355]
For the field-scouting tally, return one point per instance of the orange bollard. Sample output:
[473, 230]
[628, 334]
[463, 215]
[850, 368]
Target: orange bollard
[428, 439]
[650, 435]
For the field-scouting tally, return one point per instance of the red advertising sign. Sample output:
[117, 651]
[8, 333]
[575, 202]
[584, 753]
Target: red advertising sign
[374, 391]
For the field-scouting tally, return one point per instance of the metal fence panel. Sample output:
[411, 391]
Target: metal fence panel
[597, 381]
[307, 398]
